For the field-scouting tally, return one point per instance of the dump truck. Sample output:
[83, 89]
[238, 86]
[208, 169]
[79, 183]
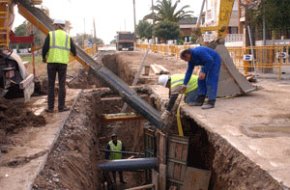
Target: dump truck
[125, 41]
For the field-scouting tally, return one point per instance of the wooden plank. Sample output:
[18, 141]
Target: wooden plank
[196, 179]
[162, 147]
[142, 187]
[163, 70]
[120, 117]
[155, 178]
[177, 171]
[155, 69]
[162, 177]
[184, 153]
[172, 188]
[177, 159]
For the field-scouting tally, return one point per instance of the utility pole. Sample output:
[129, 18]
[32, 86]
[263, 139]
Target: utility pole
[84, 37]
[152, 6]
[95, 32]
[134, 13]
[264, 23]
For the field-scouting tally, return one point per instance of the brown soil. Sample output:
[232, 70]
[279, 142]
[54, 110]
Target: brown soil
[71, 163]
[125, 65]
[14, 116]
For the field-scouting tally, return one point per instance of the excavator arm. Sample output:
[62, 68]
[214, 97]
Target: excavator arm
[225, 11]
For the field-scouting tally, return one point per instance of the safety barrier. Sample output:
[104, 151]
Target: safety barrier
[167, 50]
[264, 59]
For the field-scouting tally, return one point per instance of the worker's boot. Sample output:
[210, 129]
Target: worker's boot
[199, 101]
[210, 104]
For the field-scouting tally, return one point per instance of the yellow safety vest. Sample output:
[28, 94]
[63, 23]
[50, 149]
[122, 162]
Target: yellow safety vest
[177, 80]
[59, 47]
[113, 147]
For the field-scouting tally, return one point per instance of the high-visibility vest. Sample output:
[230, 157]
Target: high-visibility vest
[59, 47]
[113, 147]
[177, 80]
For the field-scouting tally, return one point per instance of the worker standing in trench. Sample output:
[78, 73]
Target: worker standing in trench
[56, 50]
[114, 148]
[208, 77]
[174, 83]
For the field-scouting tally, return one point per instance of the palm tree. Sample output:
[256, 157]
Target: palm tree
[166, 10]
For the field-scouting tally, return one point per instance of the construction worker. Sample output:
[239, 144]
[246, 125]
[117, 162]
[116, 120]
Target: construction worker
[208, 77]
[113, 152]
[174, 83]
[55, 52]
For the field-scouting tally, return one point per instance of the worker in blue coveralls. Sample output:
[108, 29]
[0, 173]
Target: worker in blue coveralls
[208, 77]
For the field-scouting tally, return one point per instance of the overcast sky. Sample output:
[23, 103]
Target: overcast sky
[110, 15]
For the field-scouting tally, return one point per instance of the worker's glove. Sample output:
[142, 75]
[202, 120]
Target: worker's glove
[179, 89]
[165, 117]
[44, 60]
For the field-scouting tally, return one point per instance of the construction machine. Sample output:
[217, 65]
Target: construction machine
[231, 81]
[125, 41]
[15, 81]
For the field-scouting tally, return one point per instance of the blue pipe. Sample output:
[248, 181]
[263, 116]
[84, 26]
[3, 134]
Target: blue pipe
[129, 164]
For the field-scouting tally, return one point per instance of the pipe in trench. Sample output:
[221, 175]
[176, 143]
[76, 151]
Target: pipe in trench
[129, 164]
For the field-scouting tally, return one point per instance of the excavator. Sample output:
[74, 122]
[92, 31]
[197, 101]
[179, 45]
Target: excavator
[13, 72]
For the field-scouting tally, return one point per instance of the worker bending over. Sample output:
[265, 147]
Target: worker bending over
[175, 83]
[208, 77]
[56, 50]
[114, 148]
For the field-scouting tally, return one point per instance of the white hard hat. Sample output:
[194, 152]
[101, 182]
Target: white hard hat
[59, 21]
[163, 79]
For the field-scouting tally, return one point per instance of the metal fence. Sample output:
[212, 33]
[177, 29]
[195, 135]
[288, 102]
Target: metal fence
[259, 59]
[262, 59]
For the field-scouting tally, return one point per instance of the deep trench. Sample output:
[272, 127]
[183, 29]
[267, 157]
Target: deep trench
[72, 164]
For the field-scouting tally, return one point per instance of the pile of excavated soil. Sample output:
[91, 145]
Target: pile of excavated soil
[14, 116]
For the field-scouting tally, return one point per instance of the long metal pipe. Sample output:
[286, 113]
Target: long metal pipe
[123, 152]
[129, 164]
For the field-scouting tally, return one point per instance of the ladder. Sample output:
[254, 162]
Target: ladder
[4, 23]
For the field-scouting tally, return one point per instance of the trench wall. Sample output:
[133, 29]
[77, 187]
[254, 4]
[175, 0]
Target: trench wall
[230, 168]
[71, 163]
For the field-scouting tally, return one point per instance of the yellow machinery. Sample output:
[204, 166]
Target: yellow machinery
[15, 81]
[225, 11]
[4, 23]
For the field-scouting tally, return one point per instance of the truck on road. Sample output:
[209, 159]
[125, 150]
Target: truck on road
[125, 41]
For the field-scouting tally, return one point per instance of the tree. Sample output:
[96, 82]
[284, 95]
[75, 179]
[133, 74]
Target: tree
[166, 30]
[276, 15]
[144, 29]
[166, 10]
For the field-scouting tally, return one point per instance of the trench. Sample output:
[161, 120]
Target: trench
[72, 163]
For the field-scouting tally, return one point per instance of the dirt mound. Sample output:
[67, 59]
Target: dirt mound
[14, 116]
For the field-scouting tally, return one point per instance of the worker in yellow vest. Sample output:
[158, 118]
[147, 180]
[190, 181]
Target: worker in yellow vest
[113, 152]
[175, 84]
[55, 52]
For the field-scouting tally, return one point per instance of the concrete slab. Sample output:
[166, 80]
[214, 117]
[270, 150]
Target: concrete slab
[28, 155]
[268, 148]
